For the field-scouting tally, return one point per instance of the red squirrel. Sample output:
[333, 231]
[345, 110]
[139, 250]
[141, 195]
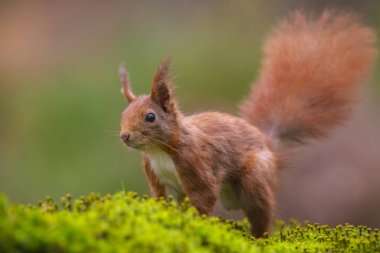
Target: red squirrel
[311, 70]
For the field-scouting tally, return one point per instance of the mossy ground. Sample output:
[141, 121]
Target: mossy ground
[125, 222]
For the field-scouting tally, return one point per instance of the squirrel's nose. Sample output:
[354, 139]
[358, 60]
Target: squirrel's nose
[125, 137]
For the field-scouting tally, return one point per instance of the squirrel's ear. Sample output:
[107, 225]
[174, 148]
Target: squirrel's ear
[125, 84]
[162, 90]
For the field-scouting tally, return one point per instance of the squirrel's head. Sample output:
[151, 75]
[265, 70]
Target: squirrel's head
[150, 121]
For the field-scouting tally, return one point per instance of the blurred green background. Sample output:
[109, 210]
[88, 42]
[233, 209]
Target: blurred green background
[60, 100]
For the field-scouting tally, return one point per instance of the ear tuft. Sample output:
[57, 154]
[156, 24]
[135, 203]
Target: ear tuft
[162, 90]
[125, 83]
[163, 71]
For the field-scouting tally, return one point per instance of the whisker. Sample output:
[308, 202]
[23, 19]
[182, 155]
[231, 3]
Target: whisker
[107, 130]
[111, 131]
[165, 144]
[154, 145]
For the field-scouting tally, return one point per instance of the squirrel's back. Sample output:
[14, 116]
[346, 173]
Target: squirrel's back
[224, 132]
[309, 75]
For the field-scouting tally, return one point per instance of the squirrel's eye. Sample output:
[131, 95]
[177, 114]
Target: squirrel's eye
[150, 117]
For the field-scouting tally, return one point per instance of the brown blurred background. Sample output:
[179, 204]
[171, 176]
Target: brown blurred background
[60, 102]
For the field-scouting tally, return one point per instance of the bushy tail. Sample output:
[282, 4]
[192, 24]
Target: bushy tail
[309, 75]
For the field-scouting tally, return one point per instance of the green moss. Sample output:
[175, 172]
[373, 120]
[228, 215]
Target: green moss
[125, 222]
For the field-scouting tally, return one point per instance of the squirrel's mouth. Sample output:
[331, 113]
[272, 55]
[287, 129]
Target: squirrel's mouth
[132, 145]
[140, 143]
[135, 145]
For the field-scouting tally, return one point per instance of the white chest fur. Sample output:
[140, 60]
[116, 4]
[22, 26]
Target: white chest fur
[163, 167]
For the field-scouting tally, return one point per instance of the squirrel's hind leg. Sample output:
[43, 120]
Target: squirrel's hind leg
[257, 195]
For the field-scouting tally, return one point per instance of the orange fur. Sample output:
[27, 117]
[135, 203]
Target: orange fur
[310, 71]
